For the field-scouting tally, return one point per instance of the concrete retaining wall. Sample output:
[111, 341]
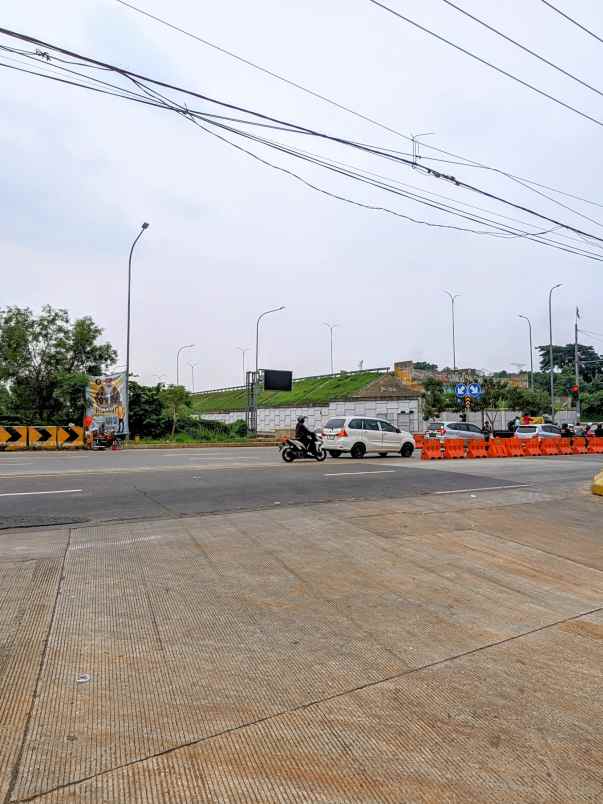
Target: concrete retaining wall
[400, 412]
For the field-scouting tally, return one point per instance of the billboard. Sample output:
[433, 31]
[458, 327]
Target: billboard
[106, 404]
[277, 380]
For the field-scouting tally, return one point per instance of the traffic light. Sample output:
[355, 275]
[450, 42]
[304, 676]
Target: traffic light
[575, 391]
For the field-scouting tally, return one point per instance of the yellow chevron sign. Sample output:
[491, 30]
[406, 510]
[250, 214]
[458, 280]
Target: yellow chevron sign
[13, 438]
[70, 437]
[43, 437]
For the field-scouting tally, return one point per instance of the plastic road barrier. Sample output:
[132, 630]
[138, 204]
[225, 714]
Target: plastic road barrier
[579, 446]
[454, 448]
[476, 448]
[431, 449]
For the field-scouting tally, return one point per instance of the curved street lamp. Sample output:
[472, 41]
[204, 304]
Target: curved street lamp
[453, 296]
[188, 346]
[144, 226]
[331, 328]
[531, 350]
[257, 335]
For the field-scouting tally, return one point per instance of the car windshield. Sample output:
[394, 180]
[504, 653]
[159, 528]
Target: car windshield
[334, 424]
[524, 428]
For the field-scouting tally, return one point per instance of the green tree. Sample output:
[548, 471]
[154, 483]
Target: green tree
[177, 401]
[45, 360]
[147, 412]
[434, 398]
[589, 361]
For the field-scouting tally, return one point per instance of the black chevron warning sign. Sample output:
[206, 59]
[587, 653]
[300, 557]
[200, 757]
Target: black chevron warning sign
[70, 436]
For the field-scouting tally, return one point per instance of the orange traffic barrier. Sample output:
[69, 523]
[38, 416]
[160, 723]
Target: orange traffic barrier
[595, 445]
[431, 449]
[530, 446]
[454, 448]
[549, 446]
[476, 448]
[419, 438]
[579, 446]
[496, 448]
[514, 447]
[565, 446]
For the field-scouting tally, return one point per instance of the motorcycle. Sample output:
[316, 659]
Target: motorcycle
[291, 450]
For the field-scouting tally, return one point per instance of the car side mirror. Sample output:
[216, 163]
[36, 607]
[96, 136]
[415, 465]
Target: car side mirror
[397, 429]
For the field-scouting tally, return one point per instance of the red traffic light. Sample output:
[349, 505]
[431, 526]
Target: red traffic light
[574, 389]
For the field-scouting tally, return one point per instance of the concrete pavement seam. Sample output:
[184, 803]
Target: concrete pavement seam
[302, 707]
[26, 730]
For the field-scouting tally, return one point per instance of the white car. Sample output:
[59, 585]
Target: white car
[361, 434]
[538, 431]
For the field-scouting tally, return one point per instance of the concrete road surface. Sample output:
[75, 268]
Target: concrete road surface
[412, 648]
[58, 488]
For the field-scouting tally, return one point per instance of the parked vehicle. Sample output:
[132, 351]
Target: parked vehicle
[538, 431]
[360, 435]
[291, 450]
[446, 430]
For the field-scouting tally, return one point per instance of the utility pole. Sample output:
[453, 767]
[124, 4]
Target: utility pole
[577, 366]
[243, 351]
[551, 374]
[193, 366]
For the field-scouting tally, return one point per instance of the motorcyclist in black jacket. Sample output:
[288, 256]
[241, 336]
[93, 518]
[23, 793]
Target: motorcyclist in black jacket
[307, 437]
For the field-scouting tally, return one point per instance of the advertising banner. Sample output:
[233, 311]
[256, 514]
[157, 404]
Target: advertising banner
[106, 405]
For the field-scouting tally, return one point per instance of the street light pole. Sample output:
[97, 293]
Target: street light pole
[551, 350]
[253, 407]
[257, 336]
[193, 366]
[531, 351]
[144, 226]
[453, 296]
[188, 346]
[243, 351]
[331, 328]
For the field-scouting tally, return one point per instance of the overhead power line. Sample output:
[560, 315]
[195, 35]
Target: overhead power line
[519, 45]
[572, 20]
[154, 95]
[465, 160]
[487, 63]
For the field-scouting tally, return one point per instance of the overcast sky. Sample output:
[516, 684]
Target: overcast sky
[230, 237]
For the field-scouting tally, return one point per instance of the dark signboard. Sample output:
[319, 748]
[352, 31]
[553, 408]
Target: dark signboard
[278, 380]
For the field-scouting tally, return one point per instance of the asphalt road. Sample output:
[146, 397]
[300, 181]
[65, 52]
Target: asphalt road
[59, 488]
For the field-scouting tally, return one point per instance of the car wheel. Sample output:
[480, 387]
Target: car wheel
[334, 453]
[407, 450]
[383, 454]
[358, 450]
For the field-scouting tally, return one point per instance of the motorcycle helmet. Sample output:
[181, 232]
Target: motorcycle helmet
[301, 419]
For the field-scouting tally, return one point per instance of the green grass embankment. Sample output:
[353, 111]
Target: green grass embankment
[311, 391]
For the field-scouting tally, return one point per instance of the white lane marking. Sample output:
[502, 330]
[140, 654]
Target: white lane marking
[485, 488]
[353, 474]
[30, 493]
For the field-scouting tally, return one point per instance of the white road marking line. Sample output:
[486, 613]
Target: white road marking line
[29, 493]
[353, 474]
[486, 488]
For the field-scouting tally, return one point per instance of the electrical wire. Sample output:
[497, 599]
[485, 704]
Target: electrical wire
[487, 63]
[294, 129]
[572, 20]
[465, 160]
[522, 47]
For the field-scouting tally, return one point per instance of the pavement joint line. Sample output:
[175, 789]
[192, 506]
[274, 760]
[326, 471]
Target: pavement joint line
[17, 766]
[485, 488]
[370, 472]
[284, 712]
[30, 493]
